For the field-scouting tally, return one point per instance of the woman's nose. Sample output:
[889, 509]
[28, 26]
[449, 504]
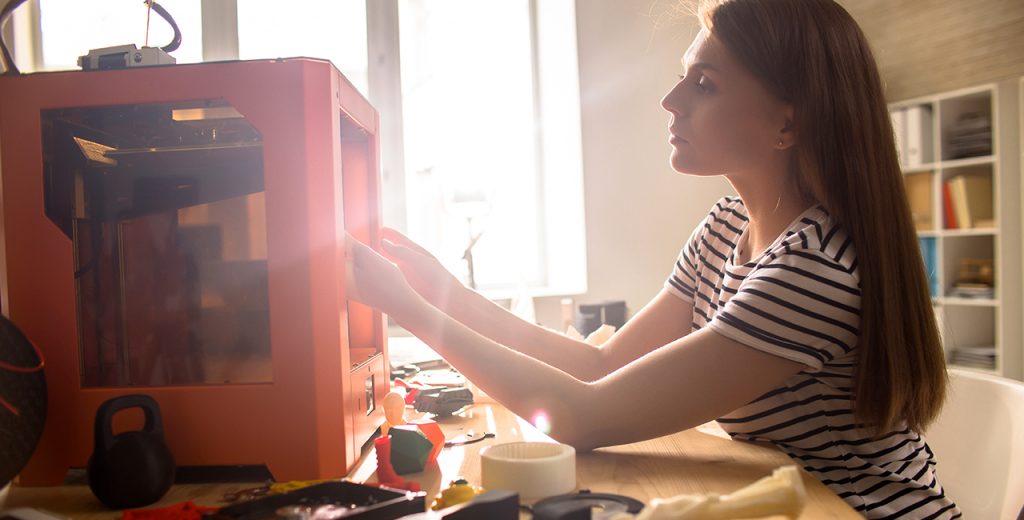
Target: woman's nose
[673, 101]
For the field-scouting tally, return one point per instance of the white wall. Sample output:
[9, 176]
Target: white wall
[638, 210]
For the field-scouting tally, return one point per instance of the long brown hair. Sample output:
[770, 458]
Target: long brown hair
[812, 54]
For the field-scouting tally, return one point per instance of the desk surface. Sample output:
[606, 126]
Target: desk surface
[701, 460]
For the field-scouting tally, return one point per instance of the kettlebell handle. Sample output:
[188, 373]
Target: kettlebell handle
[103, 429]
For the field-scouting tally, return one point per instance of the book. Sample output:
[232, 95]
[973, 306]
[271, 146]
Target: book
[972, 199]
[978, 357]
[928, 255]
[899, 130]
[981, 292]
[919, 195]
[919, 135]
[947, 207]
[958, 190]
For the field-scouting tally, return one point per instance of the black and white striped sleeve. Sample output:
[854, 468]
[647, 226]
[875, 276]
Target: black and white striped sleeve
[683, 280]
[801, 305]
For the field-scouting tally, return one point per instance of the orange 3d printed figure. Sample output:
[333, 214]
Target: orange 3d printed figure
[177, 231]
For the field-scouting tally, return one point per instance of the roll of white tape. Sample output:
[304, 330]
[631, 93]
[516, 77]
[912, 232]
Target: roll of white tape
[532, 469]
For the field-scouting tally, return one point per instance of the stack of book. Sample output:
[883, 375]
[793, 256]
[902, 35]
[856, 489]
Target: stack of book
[967, 201]
[970, 136]
[975, 357]
[974, 291]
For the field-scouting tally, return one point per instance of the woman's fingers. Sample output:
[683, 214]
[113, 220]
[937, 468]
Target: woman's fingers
[397, 238]
[372, 279]
[404, 255]
[351, 282]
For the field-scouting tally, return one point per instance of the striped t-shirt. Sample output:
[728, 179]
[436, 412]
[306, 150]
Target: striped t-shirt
[800, 299]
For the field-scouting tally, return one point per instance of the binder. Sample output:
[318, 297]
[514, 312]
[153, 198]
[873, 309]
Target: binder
[919, 135]
[899, 130]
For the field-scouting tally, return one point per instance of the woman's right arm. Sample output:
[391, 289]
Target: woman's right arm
[663, 320]
[692, 380]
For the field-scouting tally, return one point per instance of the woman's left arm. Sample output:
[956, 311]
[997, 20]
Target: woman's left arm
[690, 381]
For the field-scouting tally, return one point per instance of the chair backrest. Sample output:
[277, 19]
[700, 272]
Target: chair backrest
[978, 441]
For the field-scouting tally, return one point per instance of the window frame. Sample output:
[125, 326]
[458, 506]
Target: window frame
[556, 100]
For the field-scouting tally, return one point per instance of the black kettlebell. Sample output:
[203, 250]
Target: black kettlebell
[130, 469]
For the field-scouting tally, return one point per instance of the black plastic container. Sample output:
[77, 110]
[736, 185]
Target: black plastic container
[365, 502]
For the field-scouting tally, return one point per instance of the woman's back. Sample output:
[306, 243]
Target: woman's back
[800, 299]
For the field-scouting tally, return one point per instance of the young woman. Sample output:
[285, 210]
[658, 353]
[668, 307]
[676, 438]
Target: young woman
[797, 312]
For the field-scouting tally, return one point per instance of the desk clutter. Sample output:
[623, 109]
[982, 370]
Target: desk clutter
[781, 494]
[535, 479]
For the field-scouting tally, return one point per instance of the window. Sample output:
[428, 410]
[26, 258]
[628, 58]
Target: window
[490, 103]
[480, 112]
[71, 28]
[330, 30]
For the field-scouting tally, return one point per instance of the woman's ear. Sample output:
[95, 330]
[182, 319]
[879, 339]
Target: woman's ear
[787, 134]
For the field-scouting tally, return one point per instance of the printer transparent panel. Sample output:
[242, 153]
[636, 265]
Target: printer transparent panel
[165, 209]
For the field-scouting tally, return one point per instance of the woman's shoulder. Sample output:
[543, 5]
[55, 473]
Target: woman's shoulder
[728, 210]
[730, 203]
[818, 238]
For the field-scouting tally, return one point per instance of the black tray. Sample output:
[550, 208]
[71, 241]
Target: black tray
[366, 502]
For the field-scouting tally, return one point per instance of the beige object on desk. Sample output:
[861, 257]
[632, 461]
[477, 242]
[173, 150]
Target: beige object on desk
[532, 469]
[782, 493]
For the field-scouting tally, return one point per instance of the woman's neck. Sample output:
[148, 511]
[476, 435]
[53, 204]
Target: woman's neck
[770, 212]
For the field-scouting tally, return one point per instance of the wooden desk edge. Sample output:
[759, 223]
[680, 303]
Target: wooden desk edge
[700, 460]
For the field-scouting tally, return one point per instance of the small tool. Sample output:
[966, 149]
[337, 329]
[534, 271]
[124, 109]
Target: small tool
[248, 493]
[469, 438]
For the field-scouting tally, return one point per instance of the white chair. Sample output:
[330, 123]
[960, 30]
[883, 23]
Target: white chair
[978, 441]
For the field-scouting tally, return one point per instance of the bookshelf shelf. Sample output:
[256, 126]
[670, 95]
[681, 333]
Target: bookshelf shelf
[970, 302]
[921, 168]
[973, 232]
[989, 371]
[967, 161]
[961, 159]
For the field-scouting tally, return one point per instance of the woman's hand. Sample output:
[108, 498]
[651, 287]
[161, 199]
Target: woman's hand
[373, 280]
[421, 269]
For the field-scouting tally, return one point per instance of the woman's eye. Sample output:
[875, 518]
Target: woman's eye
[704, 85]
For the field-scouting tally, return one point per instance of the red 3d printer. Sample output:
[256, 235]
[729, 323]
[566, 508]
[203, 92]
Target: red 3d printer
[178, 231]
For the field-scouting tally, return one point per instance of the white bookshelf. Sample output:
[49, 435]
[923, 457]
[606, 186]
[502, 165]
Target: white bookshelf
[968, 323]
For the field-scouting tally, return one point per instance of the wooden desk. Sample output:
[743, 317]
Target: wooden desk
[701, 460]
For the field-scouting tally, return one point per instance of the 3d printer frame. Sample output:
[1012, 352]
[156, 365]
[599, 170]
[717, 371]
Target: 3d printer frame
[328, 356]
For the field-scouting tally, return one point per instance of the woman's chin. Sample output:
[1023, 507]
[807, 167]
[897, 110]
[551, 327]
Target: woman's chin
[685, 167]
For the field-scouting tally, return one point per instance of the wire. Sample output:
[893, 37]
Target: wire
[176, 41]
[12, 68]
[9, 66]
[149, 10]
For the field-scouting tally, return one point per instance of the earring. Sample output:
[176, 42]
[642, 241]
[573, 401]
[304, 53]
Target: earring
[780, 142]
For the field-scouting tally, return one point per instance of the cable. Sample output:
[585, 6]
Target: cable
[12, 68]
[9, 66]
[176, 41]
